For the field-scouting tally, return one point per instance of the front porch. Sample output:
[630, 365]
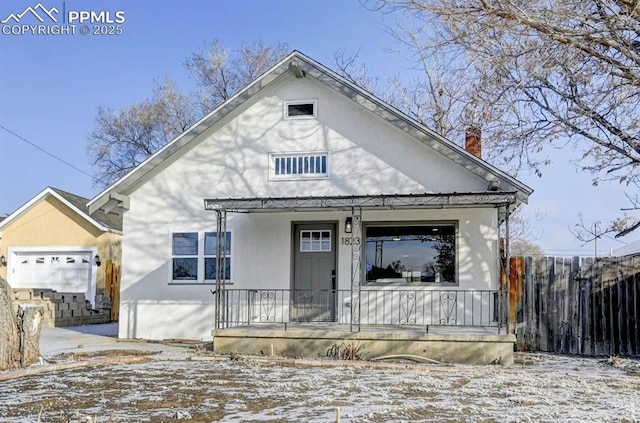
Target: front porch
[445, 315]
[460, 326]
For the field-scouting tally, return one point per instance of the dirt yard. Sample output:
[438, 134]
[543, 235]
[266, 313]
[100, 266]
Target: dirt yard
[537, 388]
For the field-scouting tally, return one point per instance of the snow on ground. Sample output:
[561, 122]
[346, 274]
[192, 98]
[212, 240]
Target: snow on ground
[549, 389]
[539, 388]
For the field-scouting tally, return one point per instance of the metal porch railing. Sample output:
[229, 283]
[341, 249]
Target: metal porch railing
[395, 307]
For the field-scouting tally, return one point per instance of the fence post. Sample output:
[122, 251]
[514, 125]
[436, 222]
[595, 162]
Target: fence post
[529, 340]
[546, 301]
[516, 284]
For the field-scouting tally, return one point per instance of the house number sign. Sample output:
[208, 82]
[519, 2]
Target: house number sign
[351, 241]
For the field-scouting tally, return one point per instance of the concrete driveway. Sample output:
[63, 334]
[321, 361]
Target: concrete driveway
[104, 337]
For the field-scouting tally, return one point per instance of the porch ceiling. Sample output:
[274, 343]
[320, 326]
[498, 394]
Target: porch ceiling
[365, 202]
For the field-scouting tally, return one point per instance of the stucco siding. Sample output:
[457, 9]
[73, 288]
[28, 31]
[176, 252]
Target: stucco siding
[367, 156]
[261, 258]
[49, 223]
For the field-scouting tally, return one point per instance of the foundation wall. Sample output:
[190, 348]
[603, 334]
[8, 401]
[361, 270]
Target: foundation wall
[444, 348]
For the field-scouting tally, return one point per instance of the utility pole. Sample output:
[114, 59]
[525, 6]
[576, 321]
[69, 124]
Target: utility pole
[596, 235]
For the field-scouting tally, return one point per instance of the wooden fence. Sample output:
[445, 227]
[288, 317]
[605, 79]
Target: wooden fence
[112, 288]
[575, 305]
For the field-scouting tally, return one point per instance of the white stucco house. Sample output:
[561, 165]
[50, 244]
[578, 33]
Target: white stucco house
[304, 198]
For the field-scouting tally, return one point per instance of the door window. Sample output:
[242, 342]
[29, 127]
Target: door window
[314, 241]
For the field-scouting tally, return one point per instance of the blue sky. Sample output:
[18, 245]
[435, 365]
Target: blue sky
[51, 86]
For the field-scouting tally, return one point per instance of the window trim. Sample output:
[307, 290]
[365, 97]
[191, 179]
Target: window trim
[298, 176]
[456, 228]
[200, 256]
[288, 103]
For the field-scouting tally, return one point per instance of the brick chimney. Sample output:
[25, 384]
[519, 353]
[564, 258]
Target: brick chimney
[473, 141]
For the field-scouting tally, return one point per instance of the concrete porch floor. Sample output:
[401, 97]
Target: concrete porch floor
[445, 344]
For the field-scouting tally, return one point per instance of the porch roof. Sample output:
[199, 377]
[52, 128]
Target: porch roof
[365, 202]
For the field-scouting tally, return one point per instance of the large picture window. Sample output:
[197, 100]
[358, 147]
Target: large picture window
[412, 253]
[194, 255]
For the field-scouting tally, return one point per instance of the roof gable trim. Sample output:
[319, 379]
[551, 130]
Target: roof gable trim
[43, 196]
[301, 66]
[191, 133]
[413, 127]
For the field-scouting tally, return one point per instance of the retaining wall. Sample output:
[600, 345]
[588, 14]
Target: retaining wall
[62, 308]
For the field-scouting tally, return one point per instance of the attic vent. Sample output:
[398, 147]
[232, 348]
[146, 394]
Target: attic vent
[300, 109]
[291, 166]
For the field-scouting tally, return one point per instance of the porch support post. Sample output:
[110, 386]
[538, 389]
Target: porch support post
[499, 263]
[356, 266]
[221, 248]
[507, 266]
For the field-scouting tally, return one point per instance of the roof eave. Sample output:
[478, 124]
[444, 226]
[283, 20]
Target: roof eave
[41, 196]
[191, 133]
[442, 145]
[306, 65]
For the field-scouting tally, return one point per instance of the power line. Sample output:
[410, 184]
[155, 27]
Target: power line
[45, 151]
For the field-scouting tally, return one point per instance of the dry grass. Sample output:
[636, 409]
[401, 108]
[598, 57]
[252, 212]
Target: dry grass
[348, 350]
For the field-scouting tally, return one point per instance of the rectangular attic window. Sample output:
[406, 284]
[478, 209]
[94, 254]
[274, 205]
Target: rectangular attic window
[300, 109]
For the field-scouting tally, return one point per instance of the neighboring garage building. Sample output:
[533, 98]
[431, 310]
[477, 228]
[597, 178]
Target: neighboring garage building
[52, 242]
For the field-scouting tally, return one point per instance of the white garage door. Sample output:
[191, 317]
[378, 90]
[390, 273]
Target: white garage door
[60, 271]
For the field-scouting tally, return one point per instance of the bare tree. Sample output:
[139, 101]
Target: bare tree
[221, 73]
[443, 97]
[174, 109]
[441, 93]
[123, 138]
[522, 228]
[587, 233]
[523, 248]
[551, 74]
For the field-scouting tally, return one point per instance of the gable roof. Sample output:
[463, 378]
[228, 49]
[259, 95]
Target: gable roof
[103, 221]
[303, 66]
